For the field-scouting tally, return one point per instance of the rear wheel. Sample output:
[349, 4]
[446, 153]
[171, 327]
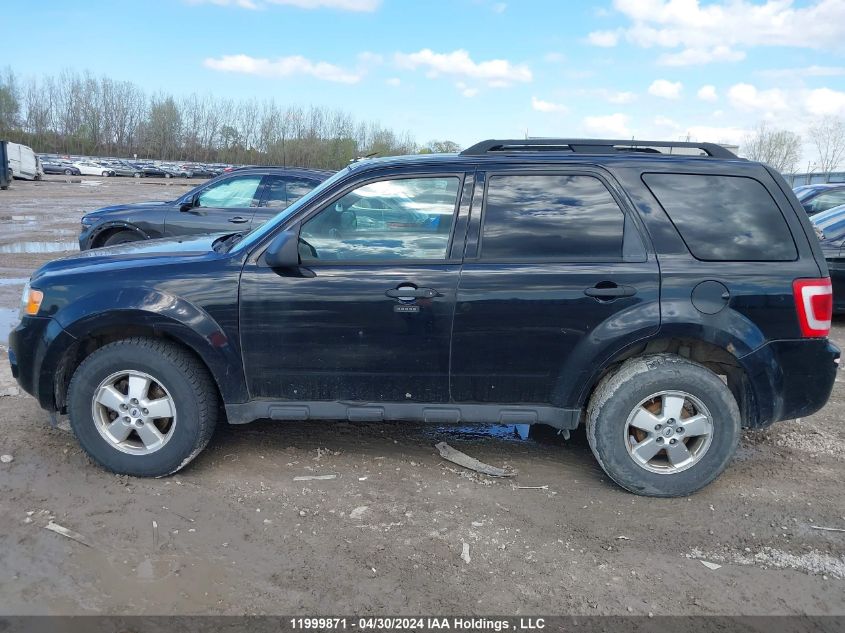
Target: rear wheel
[663, 426]
[142, 407]
[68, 172]
[122, 237]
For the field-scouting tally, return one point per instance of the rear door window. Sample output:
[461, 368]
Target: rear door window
[551, 217]
[724, 218]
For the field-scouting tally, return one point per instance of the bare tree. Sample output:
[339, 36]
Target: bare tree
[828, 135]
[780, 149]
[440, 147]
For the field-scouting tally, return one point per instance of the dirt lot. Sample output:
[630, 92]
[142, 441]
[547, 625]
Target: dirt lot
[237, 534]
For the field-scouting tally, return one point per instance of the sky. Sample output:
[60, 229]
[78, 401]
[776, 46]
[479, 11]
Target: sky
[466, 70]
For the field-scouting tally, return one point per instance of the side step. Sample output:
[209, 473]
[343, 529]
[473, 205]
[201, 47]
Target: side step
[402, 411]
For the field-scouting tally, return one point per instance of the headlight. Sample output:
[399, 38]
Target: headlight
[30, 301]
[87, 220]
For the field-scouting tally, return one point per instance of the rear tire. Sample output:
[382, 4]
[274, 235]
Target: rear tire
[122, 237]
[172, 375]
[663, 426]
[68, 172]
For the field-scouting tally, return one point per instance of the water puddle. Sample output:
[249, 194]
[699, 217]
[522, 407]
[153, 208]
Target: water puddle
[8, 320]
[39, 247]
[18, 281]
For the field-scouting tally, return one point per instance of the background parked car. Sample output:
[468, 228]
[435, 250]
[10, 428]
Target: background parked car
[818, 198]
[830, 228]
[59, 167]
[90, 168]
[121, 168]
[233, 202]
[23, 162]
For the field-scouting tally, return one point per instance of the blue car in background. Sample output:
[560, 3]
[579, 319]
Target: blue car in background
[830, 227]
[821, 197]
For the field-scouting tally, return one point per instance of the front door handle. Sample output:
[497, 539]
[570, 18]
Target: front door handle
[238, 219]
[409, 292]
[610, 292]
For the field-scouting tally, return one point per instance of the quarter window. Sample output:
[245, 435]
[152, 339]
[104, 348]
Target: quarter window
[282, 192]
[724, 218]
[551, 217]
[409, 218]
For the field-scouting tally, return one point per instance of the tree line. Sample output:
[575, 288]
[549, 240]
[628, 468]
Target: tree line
[78, 113]
[782, 148]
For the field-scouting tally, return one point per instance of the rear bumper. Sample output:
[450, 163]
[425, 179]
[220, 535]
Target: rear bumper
[790, 379]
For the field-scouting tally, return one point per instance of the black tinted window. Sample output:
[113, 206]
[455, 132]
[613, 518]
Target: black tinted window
[724, 218]
[551, 217]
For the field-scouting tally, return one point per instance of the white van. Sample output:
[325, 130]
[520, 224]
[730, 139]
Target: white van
[24, 163]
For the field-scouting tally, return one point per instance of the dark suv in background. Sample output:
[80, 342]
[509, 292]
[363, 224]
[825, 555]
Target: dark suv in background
[663, 300]
[238, 200]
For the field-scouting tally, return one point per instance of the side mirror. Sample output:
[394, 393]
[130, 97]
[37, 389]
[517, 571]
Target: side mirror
[283, 251]
[189, 204]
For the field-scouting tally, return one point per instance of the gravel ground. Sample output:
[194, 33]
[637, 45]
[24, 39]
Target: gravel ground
[235, 533]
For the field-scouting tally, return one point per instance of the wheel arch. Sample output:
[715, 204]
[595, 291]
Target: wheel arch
[107, 229]
[179, 322]
[743, 378]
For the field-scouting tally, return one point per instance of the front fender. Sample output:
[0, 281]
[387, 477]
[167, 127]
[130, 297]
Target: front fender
[110, 225]
[147, 309]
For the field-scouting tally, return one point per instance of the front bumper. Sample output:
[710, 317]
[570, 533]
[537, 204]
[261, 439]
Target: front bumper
[36, 350]
[790, 378]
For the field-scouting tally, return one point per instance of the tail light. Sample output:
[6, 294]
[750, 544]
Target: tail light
[814, 303]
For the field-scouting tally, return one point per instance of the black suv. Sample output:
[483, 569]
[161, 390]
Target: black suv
[663, 300]
[241, 199]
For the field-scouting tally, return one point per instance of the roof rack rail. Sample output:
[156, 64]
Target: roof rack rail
[591, 146]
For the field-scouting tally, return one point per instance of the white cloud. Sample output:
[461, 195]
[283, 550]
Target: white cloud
[343, 5]
[282, 67]
[499, 7]
[824, 101]
[807, 71]
[393, 81]
[719, 30]
[700, 56]
[665, 89]
[496, 73]
[547, 106]
[465, 90]
[708, 93]
[615, 125]
[621, 97]
[605, 39]
[748, 98]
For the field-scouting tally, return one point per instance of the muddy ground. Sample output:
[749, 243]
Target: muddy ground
[236, 533]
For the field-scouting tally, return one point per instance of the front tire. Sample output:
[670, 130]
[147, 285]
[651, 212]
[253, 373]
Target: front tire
[122, 237]
[663, 426]
[142, 407]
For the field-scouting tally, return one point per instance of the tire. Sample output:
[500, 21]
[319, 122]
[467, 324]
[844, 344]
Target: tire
[68, 172]
[122, 237]
[623, 402]
[186, 385]
[168, 175]
[106, 174]
[137, 174]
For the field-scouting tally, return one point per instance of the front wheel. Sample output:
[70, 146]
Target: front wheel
[142, 407]
[663, 426]
[106, 174]
[122, 237]
[68, 172]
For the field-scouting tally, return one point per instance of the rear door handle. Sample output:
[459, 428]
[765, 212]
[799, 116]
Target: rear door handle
[610, 292]
[238, 219]
[408, 292]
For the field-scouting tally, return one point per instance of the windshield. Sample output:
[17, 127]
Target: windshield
[258, 233]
